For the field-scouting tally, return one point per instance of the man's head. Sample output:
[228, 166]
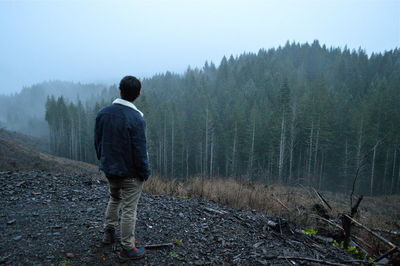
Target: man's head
[129, 88]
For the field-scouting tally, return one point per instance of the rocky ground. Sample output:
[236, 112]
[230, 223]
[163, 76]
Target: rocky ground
[56, 219]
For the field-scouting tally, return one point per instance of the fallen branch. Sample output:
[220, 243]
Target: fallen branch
[362, 262]
[356, 242]
[356, 238]
[389, 252]
[386, 231]
[239, 218]
[372, 232]
[281, 203]
[341, 228]
[311, 260]
[214, 210]
[161, 245]
[327, 221]
[322, 199]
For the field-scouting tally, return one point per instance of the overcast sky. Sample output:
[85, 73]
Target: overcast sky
[101, 41]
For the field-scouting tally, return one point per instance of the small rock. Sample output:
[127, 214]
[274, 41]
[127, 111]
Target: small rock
[20, 183]
[57, 226]
[10, 222]
[181, 214]
[269, 256]
[17, 238]
[256, 245]
[70, 255]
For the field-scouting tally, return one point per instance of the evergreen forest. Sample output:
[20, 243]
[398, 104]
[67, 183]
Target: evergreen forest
[301, 114]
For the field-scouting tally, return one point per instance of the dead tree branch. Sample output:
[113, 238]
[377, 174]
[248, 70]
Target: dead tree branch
[386, 231]
[322, 199]
[327, 221]
[372, 232]
[315, 260]
[281, 203]
[162, 245]
[386, 254]
[363, 162]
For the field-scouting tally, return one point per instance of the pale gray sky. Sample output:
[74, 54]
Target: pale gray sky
[101, 41]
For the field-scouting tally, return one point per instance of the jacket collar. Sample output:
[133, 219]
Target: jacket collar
[126, 103]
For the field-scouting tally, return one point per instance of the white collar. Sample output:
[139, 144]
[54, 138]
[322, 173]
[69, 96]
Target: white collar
[126, 103]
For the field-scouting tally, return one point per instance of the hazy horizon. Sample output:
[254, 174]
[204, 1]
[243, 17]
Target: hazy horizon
[99, 42]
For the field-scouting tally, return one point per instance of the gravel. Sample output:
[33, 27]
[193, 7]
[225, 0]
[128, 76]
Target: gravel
[57, 219]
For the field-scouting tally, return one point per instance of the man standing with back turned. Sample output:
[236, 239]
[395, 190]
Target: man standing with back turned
[120, 143]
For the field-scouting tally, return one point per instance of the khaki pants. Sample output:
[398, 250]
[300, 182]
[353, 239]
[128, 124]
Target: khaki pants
[124, 196]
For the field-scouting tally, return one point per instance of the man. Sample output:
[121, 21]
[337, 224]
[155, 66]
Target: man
[120, 144]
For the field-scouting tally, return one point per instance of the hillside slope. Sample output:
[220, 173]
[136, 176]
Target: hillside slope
[22, 152]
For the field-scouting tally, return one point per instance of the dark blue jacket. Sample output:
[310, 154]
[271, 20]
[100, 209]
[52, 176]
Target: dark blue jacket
[120, 142]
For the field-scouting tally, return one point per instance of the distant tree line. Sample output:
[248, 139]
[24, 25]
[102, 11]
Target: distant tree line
[71, 128]
[24, 111]
[299, 114]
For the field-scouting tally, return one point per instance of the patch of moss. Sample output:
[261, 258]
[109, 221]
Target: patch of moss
[309, 231]
[173, 254]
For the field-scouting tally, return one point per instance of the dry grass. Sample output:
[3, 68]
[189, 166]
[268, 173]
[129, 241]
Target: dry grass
[287, 202]
[293, 203]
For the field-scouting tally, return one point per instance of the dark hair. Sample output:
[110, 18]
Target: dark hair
[130, 88]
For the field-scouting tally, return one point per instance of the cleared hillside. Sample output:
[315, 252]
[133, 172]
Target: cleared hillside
[21, 152]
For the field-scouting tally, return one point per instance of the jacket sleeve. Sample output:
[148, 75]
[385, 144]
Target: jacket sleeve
[97, 137]
[139, 148]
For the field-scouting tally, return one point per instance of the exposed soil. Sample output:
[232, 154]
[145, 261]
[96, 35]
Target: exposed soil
[56, 219]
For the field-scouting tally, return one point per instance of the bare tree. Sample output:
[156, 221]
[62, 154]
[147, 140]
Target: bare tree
[392, 187]
[282, 146]
[251, 155]
[373, 167]
[310, 152]
[234, 150]
[292, 141]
